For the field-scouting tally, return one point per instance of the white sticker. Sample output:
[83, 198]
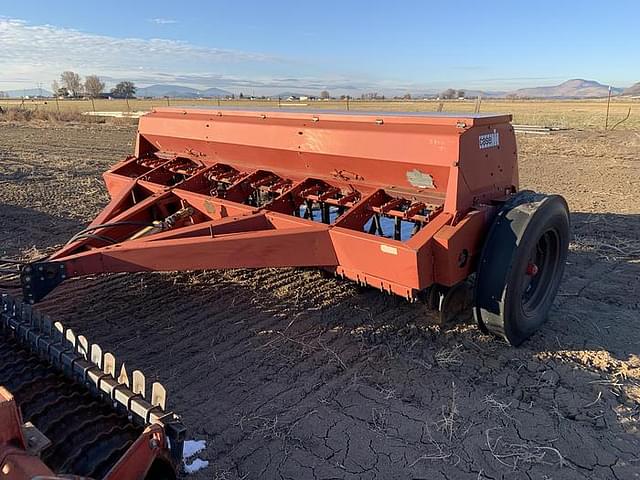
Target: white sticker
[388, 249]
[489, 140]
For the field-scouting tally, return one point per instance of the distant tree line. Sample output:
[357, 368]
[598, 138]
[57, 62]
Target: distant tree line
[70, 85]
[450, 94]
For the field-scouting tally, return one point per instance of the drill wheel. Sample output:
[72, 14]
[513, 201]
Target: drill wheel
[521, 265]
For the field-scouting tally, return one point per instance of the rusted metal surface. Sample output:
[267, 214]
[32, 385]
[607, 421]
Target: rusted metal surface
[388, 200]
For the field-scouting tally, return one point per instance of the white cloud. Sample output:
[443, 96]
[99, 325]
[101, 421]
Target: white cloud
[38, 53]
[163, 21]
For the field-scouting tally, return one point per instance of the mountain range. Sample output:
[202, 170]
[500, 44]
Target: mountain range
[178, 91]
[575, 88]
[28, 92]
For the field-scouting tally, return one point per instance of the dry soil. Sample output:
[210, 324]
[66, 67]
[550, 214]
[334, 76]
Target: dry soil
[289, 375]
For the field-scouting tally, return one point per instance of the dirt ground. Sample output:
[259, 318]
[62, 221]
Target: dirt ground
[289, 375]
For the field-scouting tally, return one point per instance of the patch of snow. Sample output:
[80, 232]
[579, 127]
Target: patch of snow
[196, 465]
[191, 447]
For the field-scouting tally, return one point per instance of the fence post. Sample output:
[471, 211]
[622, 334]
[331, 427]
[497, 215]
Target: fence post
[477, 107]
[606, 120]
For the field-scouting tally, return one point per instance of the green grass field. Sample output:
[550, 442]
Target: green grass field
[563, 113]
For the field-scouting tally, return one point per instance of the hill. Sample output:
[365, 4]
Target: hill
[632, 90]
[215, 92]
[28, 92]
[575, 88]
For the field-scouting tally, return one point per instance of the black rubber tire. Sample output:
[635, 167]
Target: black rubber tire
[508, 301]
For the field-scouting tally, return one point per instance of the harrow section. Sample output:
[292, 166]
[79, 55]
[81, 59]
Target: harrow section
[83, 418]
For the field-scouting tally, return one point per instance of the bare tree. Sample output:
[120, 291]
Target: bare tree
[325, 95]
[59, 91]
[407, 96]
[93, 86]
[72, 82]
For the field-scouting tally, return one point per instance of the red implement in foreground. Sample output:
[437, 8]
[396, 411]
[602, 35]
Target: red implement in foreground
[83, 418]
[399, 202]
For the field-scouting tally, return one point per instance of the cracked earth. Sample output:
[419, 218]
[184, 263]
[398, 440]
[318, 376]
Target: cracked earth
[287, 374]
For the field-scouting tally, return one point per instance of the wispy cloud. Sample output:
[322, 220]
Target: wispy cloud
[37, 54]
[40, 52]
[163, 21]
[32, 54]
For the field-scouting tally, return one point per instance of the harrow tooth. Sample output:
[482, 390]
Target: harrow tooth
[96, 355]
[58, 332]
[83, 346]
[158, 395]
[139, 383]
[109, 366]
[123, 378]
[70, 338]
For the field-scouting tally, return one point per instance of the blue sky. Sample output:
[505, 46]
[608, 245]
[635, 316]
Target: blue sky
[346, 47]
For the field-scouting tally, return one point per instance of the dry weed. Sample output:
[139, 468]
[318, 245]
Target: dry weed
[513, 455]
[449, 357]
[21, 114]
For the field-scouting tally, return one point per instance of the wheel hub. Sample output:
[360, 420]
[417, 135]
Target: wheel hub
[532, 269]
